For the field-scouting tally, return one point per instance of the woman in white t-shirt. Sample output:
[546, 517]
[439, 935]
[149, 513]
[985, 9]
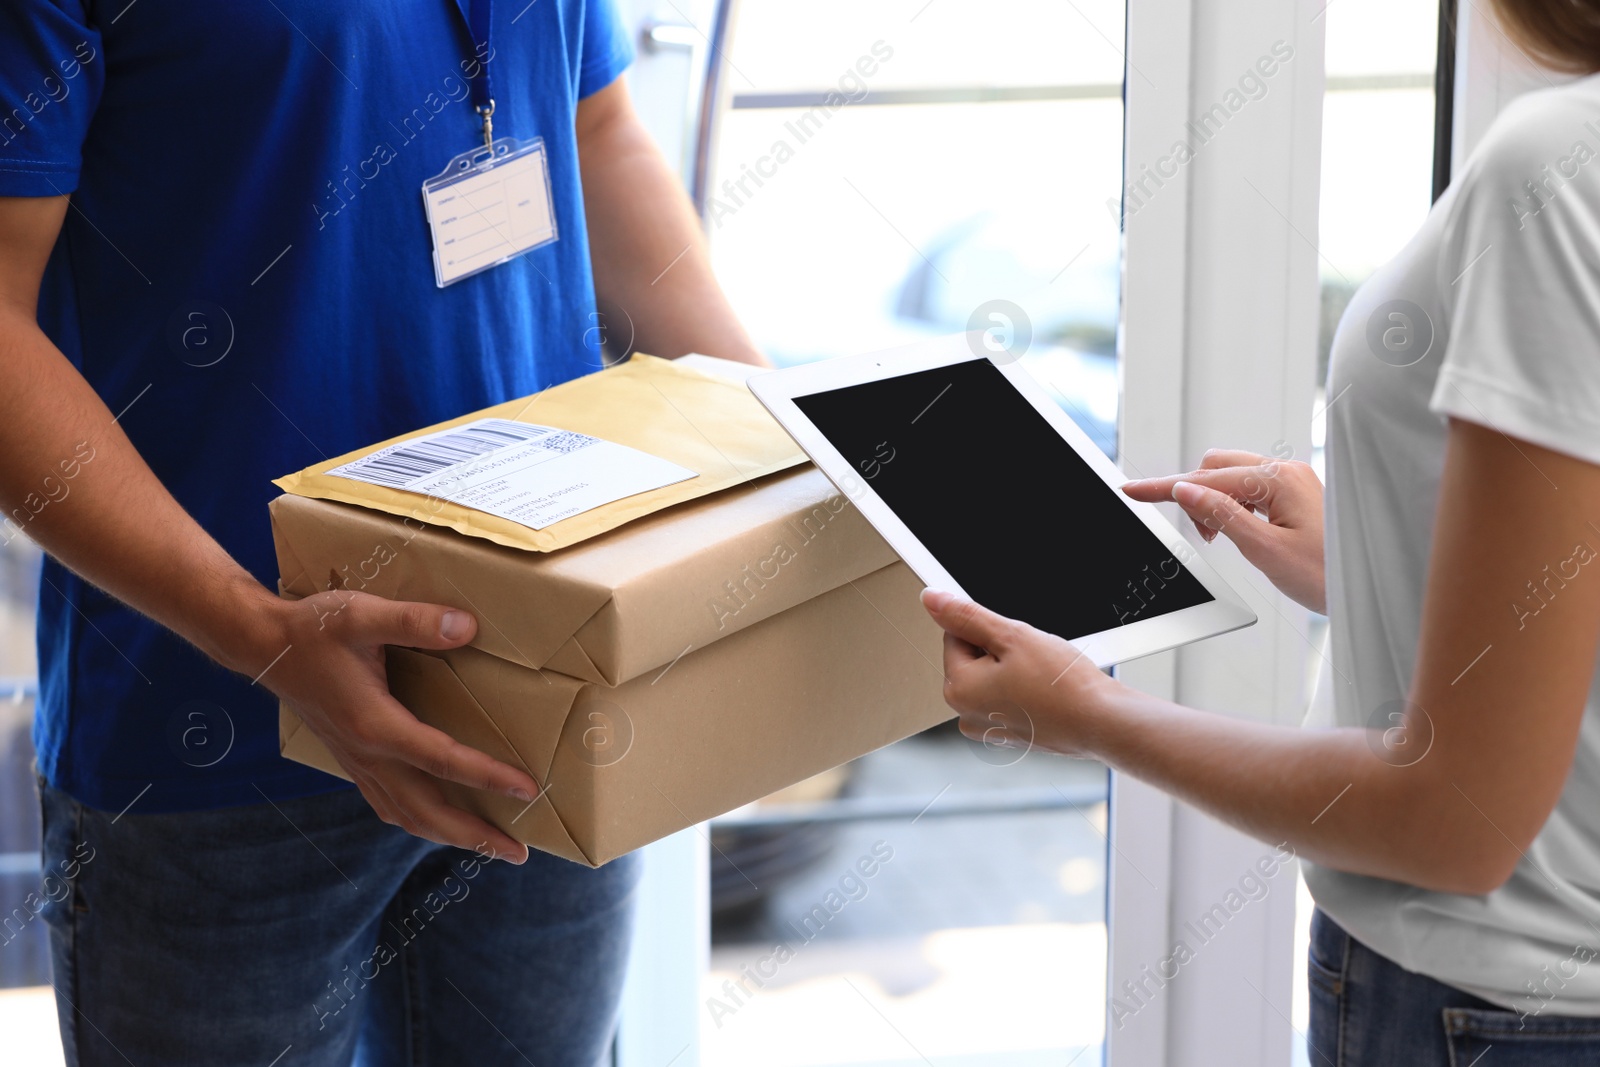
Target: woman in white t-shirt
[1449, 805]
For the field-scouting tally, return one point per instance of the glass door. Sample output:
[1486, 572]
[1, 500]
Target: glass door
[883, 173]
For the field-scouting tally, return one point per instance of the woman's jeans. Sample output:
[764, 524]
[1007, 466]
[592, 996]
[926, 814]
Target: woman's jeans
[1369, 1012]
[308, 933]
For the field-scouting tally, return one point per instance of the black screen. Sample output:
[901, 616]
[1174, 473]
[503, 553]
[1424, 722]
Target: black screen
[990, 488]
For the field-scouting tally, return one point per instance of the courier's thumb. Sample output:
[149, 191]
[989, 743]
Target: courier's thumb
[416, 625]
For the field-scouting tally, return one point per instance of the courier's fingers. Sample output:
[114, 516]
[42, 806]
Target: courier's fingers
[962, 618]
[419, 808]
[437, 753]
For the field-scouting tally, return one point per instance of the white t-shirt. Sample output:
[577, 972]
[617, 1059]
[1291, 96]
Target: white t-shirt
[1491, 315]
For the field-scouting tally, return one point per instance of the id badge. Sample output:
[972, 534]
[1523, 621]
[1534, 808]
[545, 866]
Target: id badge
[488, 206]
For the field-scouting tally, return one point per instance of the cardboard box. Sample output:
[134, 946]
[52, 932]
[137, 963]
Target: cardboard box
[655, 672]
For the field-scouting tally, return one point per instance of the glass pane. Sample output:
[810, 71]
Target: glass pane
[962, 921]
[786, 45]
[1381, 37]
[1377, 143]
[867, 226]
[894, 223]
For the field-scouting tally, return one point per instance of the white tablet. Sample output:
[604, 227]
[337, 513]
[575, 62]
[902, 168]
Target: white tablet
[987, 489]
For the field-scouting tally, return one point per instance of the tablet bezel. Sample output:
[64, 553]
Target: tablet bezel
[777, 391]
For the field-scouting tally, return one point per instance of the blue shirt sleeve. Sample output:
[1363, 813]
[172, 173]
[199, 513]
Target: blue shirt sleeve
[607, 47]
[51, 74]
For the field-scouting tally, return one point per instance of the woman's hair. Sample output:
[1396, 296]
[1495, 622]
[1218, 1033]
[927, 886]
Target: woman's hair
[1562, 34]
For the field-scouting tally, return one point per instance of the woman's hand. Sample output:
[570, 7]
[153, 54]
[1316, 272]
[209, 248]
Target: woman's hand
[1455, 813]
[1227, 493]
[1015, 686]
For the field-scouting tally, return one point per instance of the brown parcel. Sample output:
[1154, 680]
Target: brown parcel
[652, 676]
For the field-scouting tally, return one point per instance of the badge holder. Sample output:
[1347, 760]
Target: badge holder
[488, 206]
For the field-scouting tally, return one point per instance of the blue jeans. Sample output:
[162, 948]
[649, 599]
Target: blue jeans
[1369, 1012]
[310, 931]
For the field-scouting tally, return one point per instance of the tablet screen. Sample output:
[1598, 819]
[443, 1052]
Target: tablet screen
[1002, 501]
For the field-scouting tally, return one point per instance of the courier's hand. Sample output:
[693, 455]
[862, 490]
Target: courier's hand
[1227, 493]
[332, 673]
[1014, 685]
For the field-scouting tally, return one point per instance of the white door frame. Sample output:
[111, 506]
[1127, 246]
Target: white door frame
[1219, 332]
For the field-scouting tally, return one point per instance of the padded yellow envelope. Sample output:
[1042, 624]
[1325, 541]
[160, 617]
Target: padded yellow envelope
[644, 404]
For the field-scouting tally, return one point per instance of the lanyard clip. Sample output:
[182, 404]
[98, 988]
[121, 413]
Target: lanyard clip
[487, 111]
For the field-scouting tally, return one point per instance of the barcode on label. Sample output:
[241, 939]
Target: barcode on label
[567, 441]
[403, 464]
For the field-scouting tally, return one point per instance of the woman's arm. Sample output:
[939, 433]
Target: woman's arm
[1511, 623]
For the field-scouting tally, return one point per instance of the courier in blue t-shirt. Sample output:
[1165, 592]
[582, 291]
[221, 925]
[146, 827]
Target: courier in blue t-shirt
[246, 277]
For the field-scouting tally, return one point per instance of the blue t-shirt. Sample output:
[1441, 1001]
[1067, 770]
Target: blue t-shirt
[245, 275]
